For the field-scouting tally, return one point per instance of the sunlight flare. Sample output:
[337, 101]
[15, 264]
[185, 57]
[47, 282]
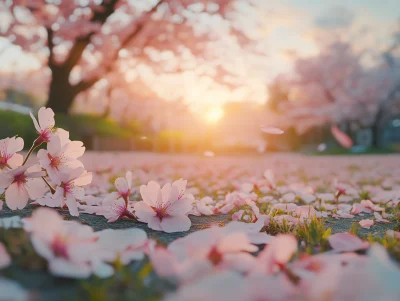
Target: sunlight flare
[214, 115]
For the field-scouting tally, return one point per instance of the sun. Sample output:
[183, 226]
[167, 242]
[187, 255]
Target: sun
[214, 115]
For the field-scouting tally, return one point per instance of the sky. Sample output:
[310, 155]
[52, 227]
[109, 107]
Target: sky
[290, 27]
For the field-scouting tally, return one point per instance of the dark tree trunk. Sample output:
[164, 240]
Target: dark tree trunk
[61, 93]
[376, 131]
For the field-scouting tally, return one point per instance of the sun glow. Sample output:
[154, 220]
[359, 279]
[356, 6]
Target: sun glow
[214, 115]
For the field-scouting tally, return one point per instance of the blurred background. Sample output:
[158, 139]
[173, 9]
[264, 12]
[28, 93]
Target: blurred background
[203, 76]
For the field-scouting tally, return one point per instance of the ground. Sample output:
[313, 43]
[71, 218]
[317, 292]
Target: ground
[215, 177]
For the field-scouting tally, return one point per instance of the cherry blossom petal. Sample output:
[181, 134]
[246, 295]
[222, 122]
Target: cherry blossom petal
[15, 144]
[346, 242]
[343, 139]
[16, 160]
[46, 118]
[149, 192]
[122, 185]
[36, 188]
[72, 205]
[177, 223]
[5, 179]
[16, 196]
[36, 124]
[366, 223]
[271, 130]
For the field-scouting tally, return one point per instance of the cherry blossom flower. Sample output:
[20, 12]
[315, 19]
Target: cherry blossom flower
[164, 209]
[61, 156]
[123, 244]
[203, 206]
[45, 125]
[346, 242]
[21, 184]
[276, 255]
[223, 248]
[116, 204]
[124, 188]
[8, 152]
[249, 214]
[69, 190]
[66, 246]
[113, 210]
[366, 223]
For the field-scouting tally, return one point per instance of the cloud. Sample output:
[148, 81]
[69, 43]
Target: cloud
[334, 18]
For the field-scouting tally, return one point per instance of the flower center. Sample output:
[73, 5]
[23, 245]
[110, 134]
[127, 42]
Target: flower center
[67, 187]
[55, 162]
[214, 256]
[59, 247]
[45, 135]
[20, 179]
[161, 212]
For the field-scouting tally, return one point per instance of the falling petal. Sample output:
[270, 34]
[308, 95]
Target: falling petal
[343, 139]
[272, 130]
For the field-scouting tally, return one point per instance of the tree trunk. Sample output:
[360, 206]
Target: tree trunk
[61, 92]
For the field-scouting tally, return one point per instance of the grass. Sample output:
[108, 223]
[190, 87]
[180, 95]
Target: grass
[80, 127]
[342, 151]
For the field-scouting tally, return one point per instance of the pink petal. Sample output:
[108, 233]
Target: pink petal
[144, 212]
[15, 144]
[122, 185]
[346, 242]
[35, 122]
[366, 223]
[46, 118]
[175, 224]
[149, 192]
[16, 160]
[84, 179]
[343, 139]
[164, 262]
[36, 188]
[72, 205]
[64, 268]
[272, 130]
[16, 196]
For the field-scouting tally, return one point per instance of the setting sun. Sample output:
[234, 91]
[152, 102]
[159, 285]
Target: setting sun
[214, 115]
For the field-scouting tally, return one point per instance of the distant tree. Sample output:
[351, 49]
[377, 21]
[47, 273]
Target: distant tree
[334, 87]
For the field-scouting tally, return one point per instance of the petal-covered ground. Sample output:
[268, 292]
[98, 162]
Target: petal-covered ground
[185, 227]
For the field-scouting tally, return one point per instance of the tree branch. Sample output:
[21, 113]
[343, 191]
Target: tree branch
[86, 84]
[50, 45]
[100, 16]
